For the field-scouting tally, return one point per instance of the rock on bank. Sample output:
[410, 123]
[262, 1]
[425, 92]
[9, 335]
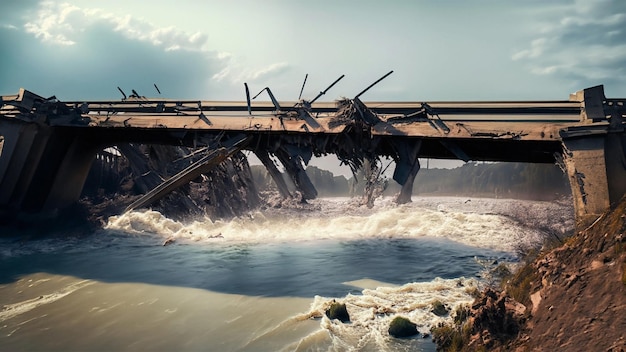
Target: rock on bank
[574, 296]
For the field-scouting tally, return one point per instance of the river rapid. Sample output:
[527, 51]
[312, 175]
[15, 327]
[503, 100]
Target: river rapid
[262, 282]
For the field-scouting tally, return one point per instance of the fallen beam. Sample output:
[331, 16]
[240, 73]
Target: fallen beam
[194, 170]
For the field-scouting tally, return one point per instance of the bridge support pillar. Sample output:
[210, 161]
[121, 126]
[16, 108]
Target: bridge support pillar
[42, 169]
[276, 175]
[407, 167]
[23, 146]
[596, 167]
[293, 166]
[71, 174]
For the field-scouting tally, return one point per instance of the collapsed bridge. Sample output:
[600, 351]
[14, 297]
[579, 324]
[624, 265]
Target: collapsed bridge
[48, 146]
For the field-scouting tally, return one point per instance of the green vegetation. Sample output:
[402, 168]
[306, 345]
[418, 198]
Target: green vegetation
[454, 336]
[402, 327]
[518, 287]
[439, 309]
[499, 180]
[338, 311]
[325, 182]
[461, 313]
[501, 271]
[451, 337]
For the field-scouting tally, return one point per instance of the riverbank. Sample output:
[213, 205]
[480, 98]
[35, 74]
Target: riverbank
[573, 296]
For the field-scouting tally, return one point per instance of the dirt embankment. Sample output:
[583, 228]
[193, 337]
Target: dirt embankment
[579, 294]
[574, 297]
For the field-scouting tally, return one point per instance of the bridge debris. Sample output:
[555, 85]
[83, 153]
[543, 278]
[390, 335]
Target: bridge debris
[45, 139]
[375, 183]
[196, 169]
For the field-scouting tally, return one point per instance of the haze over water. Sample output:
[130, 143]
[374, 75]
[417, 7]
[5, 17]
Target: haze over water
[260, 282]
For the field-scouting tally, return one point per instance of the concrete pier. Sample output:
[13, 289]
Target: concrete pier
[42, 170]
[595, 155]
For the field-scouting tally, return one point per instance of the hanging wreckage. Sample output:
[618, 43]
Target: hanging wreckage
[68, 135]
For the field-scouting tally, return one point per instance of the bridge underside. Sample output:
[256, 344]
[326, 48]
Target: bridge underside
[49, 146]
[486, 149]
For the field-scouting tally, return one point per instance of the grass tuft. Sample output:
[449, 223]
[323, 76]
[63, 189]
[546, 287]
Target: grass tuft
[519, 286]
[449, 337]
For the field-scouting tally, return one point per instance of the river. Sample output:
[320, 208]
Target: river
[261, 282]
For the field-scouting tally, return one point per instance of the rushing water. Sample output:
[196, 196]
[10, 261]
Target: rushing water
[261, 282]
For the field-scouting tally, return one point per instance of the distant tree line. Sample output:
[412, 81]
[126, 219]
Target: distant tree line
[496, 180]
[326, 183]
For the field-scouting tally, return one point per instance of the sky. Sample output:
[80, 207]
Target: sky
[438, 50]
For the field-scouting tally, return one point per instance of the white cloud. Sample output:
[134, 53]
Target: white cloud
[545, 70]
[582, 42]
[62, 24]
[87, 52]
[50, 24]
[224, 55]
[268, 70]
[536, 49]
[220, 76]
[237, 74]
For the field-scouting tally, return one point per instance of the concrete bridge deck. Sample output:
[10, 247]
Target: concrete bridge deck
[59, 139]
[538, 122]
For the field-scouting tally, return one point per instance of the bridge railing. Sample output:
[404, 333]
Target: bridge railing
[586, 106]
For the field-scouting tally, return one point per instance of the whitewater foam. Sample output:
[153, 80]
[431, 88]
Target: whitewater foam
[373, 310]
[471, 223]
